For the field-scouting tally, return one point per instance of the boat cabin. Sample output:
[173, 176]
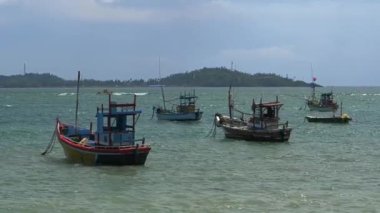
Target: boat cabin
[265, 115]
[327, 99]
[116, 124]
[187, 102]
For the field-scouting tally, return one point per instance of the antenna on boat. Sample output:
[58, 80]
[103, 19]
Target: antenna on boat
[24, 68]
[77, 103]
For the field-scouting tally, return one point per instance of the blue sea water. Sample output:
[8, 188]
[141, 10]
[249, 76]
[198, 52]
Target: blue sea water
[323, 168]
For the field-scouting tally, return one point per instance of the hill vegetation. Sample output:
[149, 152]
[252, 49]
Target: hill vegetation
[220, 77]
[206, 77]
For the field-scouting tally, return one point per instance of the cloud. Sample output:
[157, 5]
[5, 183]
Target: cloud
[107, 1]
[122, 11]
[267, 53]
[2, 2]
[90, 10]
[119, 11]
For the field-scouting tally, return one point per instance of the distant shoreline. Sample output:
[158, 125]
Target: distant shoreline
[205, 77]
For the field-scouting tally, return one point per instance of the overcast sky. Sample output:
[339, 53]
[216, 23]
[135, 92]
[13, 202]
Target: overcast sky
[123, 39]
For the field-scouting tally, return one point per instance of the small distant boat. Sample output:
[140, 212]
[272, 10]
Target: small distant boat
[113, 142]
[342, 118]
[326, 102]
[334, 119]
[261, 125]
[186, 110]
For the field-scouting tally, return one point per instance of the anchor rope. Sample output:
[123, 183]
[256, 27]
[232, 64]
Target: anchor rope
[50, 146]
[212, 131]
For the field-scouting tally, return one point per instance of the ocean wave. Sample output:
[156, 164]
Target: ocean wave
[129, 93]
[364, 94]
[119, 93]
[66, 93]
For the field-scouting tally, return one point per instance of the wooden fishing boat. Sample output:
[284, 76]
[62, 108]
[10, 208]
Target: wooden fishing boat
[112, 143]
[325, 103]
[261, 125]
[186, 110]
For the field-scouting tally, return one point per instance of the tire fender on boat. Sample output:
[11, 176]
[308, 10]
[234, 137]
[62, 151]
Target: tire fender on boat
[218, 120]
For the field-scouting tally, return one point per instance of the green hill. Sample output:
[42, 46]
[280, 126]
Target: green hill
[206, 77]
[31, 80]
[219, 77]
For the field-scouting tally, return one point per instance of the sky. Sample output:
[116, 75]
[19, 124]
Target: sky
[338, 42]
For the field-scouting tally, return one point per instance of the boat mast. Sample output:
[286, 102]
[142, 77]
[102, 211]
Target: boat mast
[162, 87]
[261, 113]
[159, 68]
[230, 102]
[77, 103]
[313, 82]
[109, 119]
[163, 96]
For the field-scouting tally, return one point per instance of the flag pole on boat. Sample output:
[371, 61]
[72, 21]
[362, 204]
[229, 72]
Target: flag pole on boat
[77, 103]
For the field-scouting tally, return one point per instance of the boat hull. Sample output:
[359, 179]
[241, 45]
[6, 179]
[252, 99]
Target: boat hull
[322, 108]
[102, 155]
[316, 106]
[343, 120]
[267, 135]
[189, 116]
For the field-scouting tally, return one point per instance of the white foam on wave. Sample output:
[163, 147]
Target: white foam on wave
[140, 93]
[65, 93]
[118, 93]
[129, 93]
[365, 94]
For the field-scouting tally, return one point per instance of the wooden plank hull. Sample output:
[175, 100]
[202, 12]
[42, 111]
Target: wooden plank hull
[269, 135]
[102, 155]
[319, 108]
[322, 108]
[134, 157]
[343, 120]
[173, 116]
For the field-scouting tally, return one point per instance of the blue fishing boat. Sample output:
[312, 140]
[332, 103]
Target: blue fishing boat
[186, 110]
[112, 143]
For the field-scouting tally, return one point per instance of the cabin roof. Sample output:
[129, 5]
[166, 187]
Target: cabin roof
[130, 112]
[269, 104]
[327, 94]
[187, 96]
